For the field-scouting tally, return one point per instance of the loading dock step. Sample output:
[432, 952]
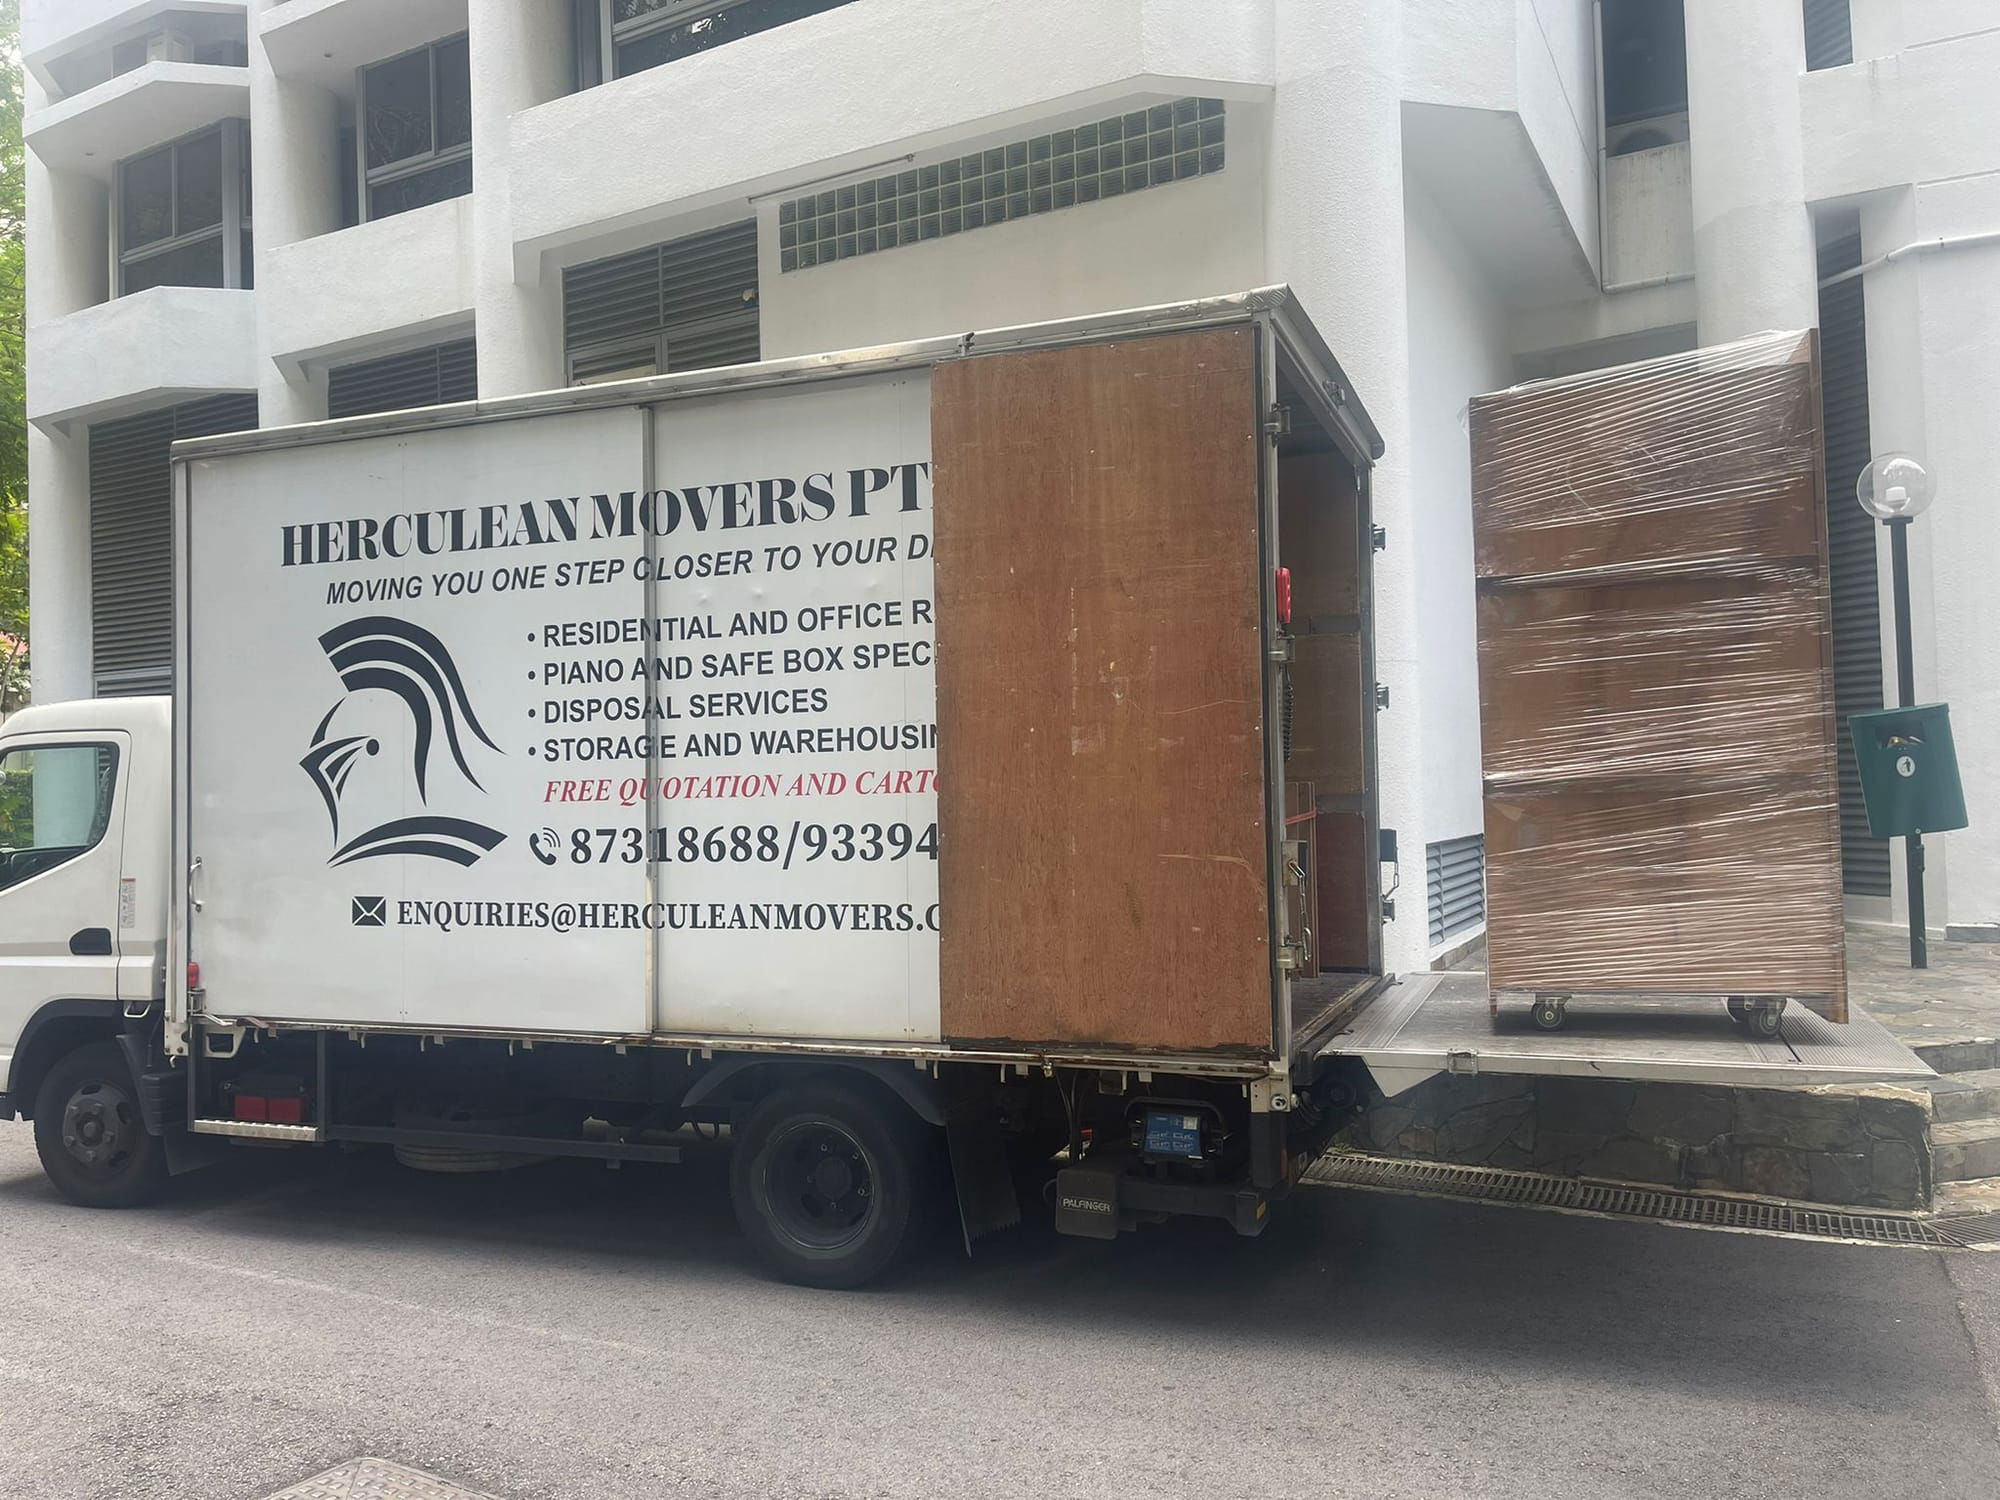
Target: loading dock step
[1427, 1024]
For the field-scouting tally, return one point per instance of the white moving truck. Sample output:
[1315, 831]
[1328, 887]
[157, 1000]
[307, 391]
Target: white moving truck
[964, 745]
[959, 750]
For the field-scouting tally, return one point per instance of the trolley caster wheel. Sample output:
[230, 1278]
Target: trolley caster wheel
[1764, 1019]
[1549, 1012]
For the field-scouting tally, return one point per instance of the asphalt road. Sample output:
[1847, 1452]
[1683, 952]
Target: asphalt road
[565, 1331]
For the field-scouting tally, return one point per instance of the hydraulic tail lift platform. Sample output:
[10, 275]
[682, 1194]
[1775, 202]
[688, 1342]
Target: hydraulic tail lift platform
[1426, 1024]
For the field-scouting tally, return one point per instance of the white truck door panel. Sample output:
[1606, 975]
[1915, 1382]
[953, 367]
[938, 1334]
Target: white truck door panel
[383, 834]
[62, 816]
[799, 890]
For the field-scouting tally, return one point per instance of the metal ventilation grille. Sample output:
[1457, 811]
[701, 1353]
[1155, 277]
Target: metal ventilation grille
[1857, 611]
[609, 299]
[131, 539]
[1666, 1205]
[716, 345]
[1829, 34]
[1455, 879]
[1104, 159]
[689, 304]
[434, 376]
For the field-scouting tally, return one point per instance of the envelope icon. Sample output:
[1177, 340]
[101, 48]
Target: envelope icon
[371, 911]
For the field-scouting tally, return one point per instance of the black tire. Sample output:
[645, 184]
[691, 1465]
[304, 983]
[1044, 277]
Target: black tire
[1549, 1015]
[89, 1133]
[824, 1179]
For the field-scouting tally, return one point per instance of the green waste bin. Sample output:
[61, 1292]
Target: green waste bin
[1909, 771]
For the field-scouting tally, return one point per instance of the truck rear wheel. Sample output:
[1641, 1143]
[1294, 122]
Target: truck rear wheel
[89, 1133]
[823, 1178]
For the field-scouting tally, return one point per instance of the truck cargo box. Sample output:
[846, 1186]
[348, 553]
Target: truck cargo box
[928, 701]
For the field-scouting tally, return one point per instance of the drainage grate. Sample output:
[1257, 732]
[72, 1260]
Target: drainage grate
[376, 1479]
[1384, 1174]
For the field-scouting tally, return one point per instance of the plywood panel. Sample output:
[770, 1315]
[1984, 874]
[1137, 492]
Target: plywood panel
[1716, 889]
[1319, 536]
[1326, 705]
[1342, 897]
[1649, 468]
[1103, 849]
[1715, 676]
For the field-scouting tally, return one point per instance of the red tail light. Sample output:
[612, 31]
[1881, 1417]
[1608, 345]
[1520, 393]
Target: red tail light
[194, 975]
[1284, 596]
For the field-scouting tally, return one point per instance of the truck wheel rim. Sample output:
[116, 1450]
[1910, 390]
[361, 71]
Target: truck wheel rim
[820, 1183]
[99, 1125]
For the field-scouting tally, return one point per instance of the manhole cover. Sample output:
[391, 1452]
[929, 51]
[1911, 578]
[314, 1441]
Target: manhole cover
[376, 1479]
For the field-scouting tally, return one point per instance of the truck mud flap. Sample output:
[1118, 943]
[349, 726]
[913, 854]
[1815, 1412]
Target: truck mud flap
[982, 1179]
[1427, 1024]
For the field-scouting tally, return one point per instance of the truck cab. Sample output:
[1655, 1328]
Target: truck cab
[85, 800]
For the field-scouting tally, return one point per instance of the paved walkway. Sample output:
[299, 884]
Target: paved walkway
[1957, 999]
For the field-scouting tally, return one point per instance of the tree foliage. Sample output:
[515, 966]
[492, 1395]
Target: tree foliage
[13, 369]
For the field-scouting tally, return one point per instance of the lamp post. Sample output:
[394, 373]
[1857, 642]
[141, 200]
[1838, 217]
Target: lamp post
[1895, 489]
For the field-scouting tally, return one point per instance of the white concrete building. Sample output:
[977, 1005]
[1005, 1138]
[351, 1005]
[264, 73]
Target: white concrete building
[498, 196]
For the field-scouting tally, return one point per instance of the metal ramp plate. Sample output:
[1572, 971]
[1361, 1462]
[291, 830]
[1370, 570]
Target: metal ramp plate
[1426, 1024]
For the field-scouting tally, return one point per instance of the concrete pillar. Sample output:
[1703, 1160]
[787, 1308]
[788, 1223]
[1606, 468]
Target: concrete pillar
[59, 564]
[71, 266]
[1933, 378]
[521, 57]
[68, 271]
[1335, 231]
[1753, 235]
[295, 144]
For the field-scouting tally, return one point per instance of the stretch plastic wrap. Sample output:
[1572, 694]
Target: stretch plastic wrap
[1656, 688]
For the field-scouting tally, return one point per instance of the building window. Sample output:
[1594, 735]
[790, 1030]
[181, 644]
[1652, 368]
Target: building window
[689, 304]
[183, 213]
[176, 46]
[1829, 34]
[415, 140]
[1106, 159]
[1645, 60]
[436, 376]
[619, 37]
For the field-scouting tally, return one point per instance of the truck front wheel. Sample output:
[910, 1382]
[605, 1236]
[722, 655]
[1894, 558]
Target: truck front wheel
[823, 1178]
[90, 1135]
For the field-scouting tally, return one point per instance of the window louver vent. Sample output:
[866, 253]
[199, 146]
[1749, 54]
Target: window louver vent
[1829, 34]
[1455, 878]
[689, 304]
[131, 539]
[1857, 615]
[434, 376]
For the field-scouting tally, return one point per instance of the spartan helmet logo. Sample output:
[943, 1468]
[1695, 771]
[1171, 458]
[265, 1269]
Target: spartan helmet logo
[403, 691]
